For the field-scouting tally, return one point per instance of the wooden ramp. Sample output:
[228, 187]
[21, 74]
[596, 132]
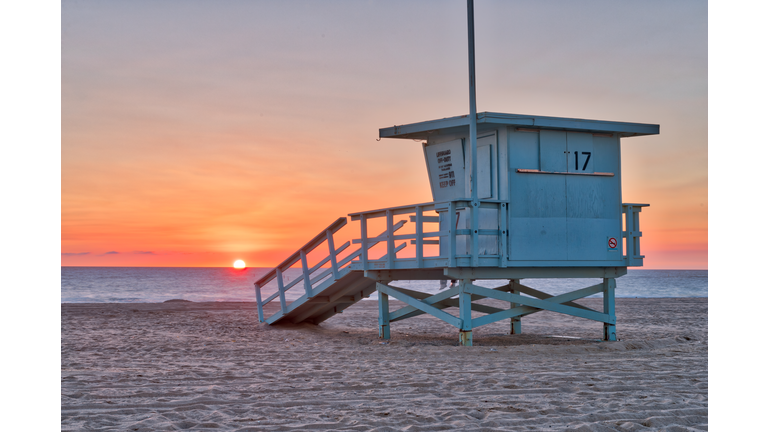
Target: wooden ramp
[329, 287]
[328, 299]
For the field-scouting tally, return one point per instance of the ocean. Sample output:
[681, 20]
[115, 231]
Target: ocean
[206, 284]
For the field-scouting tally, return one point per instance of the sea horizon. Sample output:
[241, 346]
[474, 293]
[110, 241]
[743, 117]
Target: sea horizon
[128, 284]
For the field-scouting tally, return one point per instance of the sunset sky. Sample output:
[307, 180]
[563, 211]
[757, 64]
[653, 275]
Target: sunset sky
[195, 133]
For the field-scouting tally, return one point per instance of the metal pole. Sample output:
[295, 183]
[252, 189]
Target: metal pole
[472, 102]
[475, 213]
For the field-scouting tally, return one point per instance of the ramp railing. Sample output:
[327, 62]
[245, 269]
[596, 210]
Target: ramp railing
[307, 276]
[632, 233]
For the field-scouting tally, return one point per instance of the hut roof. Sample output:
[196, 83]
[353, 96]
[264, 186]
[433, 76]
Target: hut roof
[489, 120]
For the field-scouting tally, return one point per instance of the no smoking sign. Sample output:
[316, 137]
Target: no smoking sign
[612, 243]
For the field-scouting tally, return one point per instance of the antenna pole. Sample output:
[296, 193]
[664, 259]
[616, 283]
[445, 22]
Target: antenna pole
[472, 102]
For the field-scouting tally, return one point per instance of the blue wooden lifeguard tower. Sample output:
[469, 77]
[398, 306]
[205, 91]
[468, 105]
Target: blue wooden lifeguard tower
[514, 197]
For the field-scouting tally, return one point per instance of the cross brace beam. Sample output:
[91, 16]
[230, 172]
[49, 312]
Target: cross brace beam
[418, 304]
[530, 305]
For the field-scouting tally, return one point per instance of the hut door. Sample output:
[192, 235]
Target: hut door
[558, 216]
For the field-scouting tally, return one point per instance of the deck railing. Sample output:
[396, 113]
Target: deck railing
[472, 256]
[492, 254]
[632, 233]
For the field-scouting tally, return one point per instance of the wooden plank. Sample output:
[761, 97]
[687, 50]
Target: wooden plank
[406, 274]
[364, 242]
[503, 235]
[475, 236]
[383, 315]
[609, 308]
[258, 302]
[544, 296]
[532, 171]
[332, 253]
[452, 234]
[305, 271]
[281, 290]
[552, 304]
[435, 312]
[425, 219]
[391, 253]
[398, 210]
[391, 263]
[410, 311]
[440, 300]
[381, 237]
[465, 305]
[320, 318]
[534, 272]
[420, 235]
[423, 242]
[317, 309]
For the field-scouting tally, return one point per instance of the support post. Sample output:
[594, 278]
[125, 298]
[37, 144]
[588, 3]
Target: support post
[609, 308]
[383, 316]
[516, 325]
[465, 313]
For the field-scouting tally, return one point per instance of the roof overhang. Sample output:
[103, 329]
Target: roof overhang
[488, 120]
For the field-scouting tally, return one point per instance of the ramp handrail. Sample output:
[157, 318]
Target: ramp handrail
[632, 233]
[277, 273]
[301, 254]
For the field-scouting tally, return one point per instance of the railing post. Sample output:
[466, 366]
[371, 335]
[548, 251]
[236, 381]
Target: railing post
[474, 236]
[630, 241]
[636, 230]
[281, 289]
[390, 241]
[258, 302]
[364, 241]
[419, 238]
[332, 251]
[452, 234]
[502, 235]
[305, 268]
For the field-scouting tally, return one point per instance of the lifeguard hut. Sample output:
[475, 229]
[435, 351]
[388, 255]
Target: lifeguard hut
[514, 197]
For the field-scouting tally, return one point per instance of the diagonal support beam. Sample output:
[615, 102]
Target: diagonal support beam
[418, 304]
[544, 296]
[441, 300]
[553, 304]
[410, 311]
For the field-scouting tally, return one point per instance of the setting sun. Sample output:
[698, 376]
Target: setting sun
[239, 264]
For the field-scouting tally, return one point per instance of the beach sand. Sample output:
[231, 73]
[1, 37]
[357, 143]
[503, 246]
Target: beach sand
[197, 366]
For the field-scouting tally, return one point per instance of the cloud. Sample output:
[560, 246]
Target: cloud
[110, 253]
[74, 253]
[144, 253]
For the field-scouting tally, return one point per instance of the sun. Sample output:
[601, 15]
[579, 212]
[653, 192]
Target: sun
[239, 264]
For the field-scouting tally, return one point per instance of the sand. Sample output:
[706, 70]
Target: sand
[199, 366]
